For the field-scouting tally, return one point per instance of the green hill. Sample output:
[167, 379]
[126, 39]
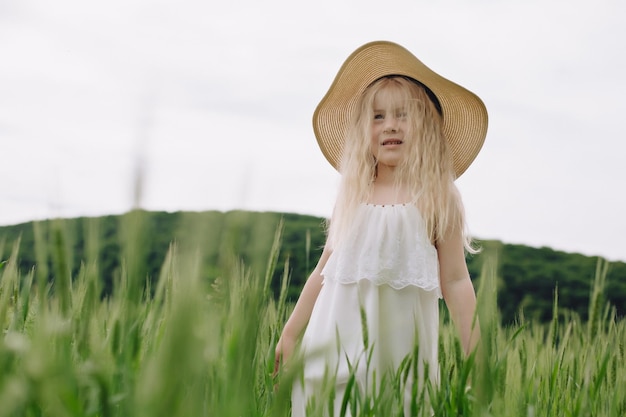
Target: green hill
[528, 276]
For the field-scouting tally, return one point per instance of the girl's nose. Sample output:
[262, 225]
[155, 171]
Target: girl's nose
[391, 125]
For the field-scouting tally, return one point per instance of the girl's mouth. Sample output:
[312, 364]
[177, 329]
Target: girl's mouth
[392, 142]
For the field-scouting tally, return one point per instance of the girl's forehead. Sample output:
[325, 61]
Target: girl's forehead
[390, 98]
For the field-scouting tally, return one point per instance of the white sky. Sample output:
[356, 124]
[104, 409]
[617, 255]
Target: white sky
[212, 102]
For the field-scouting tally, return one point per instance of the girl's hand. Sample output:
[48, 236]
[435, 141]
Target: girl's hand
[284, 350]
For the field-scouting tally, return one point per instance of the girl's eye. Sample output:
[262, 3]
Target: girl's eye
[378, 116]
[401, 115]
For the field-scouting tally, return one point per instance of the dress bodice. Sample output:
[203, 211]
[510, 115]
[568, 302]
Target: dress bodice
[386, 244]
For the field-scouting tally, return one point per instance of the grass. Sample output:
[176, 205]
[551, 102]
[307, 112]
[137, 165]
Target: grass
[188, 347]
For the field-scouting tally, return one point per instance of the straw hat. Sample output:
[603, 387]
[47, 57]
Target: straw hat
[464, 114]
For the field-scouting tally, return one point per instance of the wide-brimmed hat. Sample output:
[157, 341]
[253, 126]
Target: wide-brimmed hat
[464, 114]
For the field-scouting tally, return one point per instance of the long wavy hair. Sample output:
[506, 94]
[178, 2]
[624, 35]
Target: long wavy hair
[426, 170]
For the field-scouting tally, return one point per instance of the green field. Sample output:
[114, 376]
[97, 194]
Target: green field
[184, 345]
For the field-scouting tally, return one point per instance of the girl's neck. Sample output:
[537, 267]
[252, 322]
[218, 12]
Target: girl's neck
[385, 174]
[385, 190]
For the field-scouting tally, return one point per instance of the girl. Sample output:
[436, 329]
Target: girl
[400, 134]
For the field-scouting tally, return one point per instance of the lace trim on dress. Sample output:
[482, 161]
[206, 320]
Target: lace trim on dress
[387, 244]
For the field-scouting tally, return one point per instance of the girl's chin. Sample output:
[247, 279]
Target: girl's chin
[391, 163]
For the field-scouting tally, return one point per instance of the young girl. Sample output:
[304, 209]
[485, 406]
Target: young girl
[400, 134]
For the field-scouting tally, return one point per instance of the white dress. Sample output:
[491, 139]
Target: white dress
[386, 268]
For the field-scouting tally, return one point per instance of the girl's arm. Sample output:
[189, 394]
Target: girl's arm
[456, 286]
[301, 312]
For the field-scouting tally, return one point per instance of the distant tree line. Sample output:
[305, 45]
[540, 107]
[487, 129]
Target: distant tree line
[527, 277]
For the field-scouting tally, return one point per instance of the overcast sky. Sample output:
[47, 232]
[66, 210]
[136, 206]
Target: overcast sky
[212, 102]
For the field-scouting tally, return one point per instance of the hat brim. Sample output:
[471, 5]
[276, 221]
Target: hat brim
[464, 114]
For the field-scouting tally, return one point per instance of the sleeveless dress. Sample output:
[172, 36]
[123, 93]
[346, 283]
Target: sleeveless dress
[382, 277]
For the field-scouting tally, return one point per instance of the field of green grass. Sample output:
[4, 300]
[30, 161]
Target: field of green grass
[185, 346]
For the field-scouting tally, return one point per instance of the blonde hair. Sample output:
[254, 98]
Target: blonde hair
[426, 171]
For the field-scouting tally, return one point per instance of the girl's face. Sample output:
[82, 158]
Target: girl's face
[389, 126]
